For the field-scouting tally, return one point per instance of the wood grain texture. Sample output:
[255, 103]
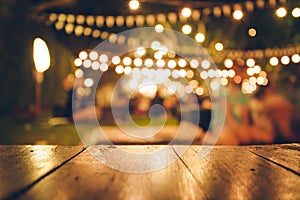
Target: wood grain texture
[227, 172]
[287, 155]
[234, 173]
[86, 178]
[20, 166]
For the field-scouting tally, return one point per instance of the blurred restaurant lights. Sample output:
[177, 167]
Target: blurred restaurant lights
[281, 12]
[186, 12]
[237, 14]
[134, 4]
[296, 12]
[41, 58]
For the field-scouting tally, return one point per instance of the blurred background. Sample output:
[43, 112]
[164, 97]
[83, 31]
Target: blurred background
[254, 44]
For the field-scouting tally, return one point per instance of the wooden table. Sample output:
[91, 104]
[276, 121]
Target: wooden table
[227, 172]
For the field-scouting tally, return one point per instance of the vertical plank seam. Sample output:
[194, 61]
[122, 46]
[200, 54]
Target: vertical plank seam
[187, 167]
[276, 163]
[17, 194]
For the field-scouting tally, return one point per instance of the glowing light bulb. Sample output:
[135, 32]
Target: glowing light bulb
[219, 46]
[186, 29]
[274, 61]
[296, 12]
[134, 4]
[252, 32]
[238, 14]
[186, 12]
[281, 12]
[199, 37]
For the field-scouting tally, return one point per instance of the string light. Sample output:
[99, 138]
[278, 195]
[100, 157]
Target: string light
[199, 37]
[281, 12]
[250, 62]
[296, 12]
[159, 28]
[285, 60]
[186, 29]
[134, 4]
[296, 58]
[252, 32]
[186, 12]
[238, 14]
[274, 61]
[228, 63]
[219, 46]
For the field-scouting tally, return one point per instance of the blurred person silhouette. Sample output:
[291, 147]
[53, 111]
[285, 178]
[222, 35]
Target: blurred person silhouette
[278, 110]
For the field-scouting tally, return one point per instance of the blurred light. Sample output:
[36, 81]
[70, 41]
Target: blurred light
[158, 55]
[263, 74]
[140, 51]
[171, 54]
[171, 64]
[274, 61]
[127, 70]
[88, 82]
[260, 80]
[186, 29]
[231, 73]
[225, 73]
[93, 55]
[199, 91]
[149, 90]
[78, 30]
[205, 64]
[182, 62]
[127, 61]
[190, 74]
[214, 85]
[77, 62]
[237, 79]
[69, 28]
[188, 89]
[296, 58]
[186, 12]
[250, 71]
[148, 62]
[62, 17]
[95, 65]
[219, 46]
[137, 62]
[136, 73]
[87, 63]
[119, 69]
[175, 73]
[80, 19]
[167, 72]
[182, 73]
[194, 63]
[104, 67]
[218, 73]
[155, 45]
[78, 73]
[252, 80]
[200, 37]
[87, 31]
[103, 58]
[159, 28]
[41, 55]
[134, 4]
[252, 32]
[160, 63]
[228, 63]
[116, 60]
[250, 62]
[238, 14]
[257, 69]
[281, 12]
[224, 81]
[211, 73]
[296, 12]
[204, 75]
[285, 60]
[163, 50]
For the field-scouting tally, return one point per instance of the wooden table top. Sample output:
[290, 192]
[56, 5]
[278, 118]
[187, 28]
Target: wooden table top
[227, 172]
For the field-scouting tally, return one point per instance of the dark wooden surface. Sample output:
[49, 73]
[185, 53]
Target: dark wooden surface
[227, 172]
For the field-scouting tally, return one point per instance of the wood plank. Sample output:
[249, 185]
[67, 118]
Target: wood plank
[287, 155]
[86, 178]
[22, 165]
[234, 173]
